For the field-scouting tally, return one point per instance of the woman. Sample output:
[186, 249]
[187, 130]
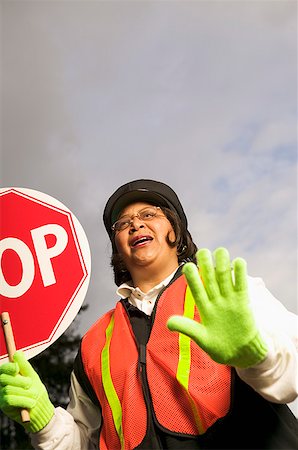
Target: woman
[137, 383]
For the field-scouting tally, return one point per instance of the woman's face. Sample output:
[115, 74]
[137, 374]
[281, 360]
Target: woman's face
[143, 243]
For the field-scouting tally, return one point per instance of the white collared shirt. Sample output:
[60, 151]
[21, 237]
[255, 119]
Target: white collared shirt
[144, 301]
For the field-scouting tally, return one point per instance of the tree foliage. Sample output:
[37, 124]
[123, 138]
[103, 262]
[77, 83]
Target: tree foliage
[54, 366]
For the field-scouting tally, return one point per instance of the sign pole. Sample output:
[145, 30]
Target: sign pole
[11, 349]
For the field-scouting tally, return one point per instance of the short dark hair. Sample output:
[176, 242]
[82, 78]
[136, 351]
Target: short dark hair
[186, 248]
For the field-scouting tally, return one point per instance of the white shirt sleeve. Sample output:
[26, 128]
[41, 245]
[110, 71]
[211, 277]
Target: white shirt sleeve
[275, 378]
[76, 428]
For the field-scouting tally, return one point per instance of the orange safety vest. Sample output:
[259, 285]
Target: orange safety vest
[189, 391]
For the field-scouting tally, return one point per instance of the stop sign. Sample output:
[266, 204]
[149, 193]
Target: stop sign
[45, 268]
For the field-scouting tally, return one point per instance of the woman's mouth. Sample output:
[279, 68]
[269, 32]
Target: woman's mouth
[139, 241]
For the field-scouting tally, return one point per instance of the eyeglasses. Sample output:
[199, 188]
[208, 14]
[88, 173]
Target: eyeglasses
[145, 214]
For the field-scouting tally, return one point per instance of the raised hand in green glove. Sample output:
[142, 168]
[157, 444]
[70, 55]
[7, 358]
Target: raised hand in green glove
[227, 331]
[20, 387]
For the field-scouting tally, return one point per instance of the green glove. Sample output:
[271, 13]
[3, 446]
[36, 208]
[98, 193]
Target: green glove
[227, 331]
[20, 387]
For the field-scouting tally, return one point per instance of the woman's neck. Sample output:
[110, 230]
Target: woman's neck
[146, 278]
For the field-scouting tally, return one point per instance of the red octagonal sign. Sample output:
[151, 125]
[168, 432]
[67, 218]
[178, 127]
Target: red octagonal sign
[45, 268]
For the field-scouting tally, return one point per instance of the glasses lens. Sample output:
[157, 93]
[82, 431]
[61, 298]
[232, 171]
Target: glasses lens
[147, 213]
[122, 223]
[144, 214]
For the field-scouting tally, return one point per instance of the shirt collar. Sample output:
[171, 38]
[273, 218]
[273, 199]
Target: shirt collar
[126, 290]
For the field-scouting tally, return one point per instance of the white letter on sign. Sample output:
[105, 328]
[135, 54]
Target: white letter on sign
[45, 254]
[27, 261]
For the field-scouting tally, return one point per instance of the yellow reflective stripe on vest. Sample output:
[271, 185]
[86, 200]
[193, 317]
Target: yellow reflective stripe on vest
[183, 368]
[108, 385]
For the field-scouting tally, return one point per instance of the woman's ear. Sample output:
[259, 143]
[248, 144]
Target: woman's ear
[171, 236]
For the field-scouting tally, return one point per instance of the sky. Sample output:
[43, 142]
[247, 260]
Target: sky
[201, 95]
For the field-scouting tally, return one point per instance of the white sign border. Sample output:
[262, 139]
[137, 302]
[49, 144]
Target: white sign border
[83, 249]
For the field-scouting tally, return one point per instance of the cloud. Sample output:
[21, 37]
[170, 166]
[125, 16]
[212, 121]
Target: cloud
[201, 95]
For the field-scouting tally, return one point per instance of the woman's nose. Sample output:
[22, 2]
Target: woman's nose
[136, 223]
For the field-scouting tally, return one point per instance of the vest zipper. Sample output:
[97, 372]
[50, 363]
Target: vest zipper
[151, 420]
[142, 358]
[143, 373]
